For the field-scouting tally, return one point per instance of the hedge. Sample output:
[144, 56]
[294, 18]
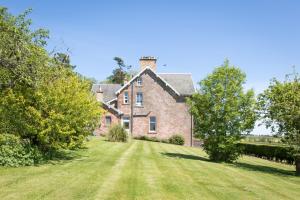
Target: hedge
[152, 139]
[175, 139]
[270, 152]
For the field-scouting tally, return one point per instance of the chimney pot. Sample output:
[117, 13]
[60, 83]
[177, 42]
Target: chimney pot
[148, 61]
[99, 94]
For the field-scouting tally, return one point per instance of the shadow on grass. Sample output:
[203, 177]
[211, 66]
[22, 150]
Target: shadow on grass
[245, 166]
[61, 157]
[264, 169]
[185, 156]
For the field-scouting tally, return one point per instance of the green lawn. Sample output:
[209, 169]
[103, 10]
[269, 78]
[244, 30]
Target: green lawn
[148, 170]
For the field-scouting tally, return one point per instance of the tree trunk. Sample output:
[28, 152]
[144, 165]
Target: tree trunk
[298, 167]
[297, 162]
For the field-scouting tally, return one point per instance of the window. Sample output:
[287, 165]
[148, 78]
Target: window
[126, 122]
[152, 124]
[108, 120]
[139, 99]
[126, 97]
[139, 81]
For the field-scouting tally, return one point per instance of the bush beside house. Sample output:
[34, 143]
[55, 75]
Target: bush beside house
[117, 133]
[176, 139]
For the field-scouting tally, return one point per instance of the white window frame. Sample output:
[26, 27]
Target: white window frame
[155, 123]
[139, 100]
[106, 124]
[126, 119]
[126, 97]
[139, 81]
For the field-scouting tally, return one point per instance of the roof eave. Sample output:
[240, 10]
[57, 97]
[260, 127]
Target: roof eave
[113, 108]
[136, 76]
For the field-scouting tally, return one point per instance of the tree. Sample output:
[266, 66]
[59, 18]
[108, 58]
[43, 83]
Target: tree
[279, 107]
[64, 60]
[120, 72]
[21, 50]
[42, 100]
[222, 111]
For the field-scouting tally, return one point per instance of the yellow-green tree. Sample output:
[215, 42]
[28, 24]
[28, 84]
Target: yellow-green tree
[41, 99]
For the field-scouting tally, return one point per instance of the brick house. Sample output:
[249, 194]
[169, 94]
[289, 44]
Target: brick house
[151, 103]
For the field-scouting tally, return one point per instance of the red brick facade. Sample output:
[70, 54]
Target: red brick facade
[160, 101]
[109, 113]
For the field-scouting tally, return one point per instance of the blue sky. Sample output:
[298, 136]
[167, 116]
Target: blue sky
[261, 37]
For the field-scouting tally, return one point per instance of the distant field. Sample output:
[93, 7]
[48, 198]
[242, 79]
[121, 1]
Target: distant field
[148, 170]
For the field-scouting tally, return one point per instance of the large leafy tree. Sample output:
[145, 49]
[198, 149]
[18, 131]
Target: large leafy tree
[42, 99]
[280, 110]
[222, 111]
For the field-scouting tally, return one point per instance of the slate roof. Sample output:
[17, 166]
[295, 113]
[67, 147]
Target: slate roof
[109, 90]
[183, 83]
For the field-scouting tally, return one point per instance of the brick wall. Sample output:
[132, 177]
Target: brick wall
[103, 129]
[171, 111]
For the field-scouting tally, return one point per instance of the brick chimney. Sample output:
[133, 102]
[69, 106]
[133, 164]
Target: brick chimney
[99, 94]
[148, 61]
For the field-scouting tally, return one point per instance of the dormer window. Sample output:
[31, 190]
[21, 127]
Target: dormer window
[139, 81]
[126, 98]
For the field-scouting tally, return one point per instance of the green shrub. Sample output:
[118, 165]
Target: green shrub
[270, 152]
[176, 139]
[15, 152]
[117, 134]
[222, 149]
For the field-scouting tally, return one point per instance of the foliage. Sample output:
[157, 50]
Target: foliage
[120, 73]
[222, 111]
[270, 152]
[21, 50]
[63, 60]
[279, 107]
[117, 133]
[15, 152]
[176, 139]
[41, 99]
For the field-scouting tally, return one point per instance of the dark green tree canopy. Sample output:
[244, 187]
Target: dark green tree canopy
[64, 60]
[120, 73]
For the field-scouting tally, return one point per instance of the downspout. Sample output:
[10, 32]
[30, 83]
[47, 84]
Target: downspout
[131, 111]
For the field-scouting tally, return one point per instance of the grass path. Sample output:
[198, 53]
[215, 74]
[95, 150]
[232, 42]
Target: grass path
[148, 170]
